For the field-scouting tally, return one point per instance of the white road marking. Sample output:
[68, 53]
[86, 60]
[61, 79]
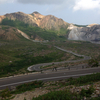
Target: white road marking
[44, 79]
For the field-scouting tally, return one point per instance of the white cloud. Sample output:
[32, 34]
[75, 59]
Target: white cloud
[6, 1]
[61, 4]
[86, 4]
[2, 1]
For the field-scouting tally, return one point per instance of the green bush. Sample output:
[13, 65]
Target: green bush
[5, 94]
[93, 63]
[88, 92]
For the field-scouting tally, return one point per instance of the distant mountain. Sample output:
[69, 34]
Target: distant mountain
[36, 19]
[50, 27]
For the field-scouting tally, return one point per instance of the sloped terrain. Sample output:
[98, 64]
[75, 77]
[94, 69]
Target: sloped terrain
[10, 33]
[38, 20]
[34, 33]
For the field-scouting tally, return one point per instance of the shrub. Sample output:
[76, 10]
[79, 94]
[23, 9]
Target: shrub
[5, 94]
[93, 63]
[88, 92]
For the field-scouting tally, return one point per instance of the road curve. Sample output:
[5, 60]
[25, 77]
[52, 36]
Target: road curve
[37, 66]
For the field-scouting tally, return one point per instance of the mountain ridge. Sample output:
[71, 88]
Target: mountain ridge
[38, 20]
[49, 22]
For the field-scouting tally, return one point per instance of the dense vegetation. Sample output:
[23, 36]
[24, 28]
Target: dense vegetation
[34, 31]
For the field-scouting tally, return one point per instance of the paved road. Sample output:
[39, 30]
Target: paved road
[47, 76]
[37, 66]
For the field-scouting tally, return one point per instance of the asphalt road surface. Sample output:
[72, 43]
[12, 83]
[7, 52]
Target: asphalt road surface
[47, 76]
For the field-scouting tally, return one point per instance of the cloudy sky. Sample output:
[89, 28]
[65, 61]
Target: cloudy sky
[81, 12]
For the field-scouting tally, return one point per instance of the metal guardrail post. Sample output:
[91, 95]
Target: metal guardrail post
[69, 68]
[41, 71]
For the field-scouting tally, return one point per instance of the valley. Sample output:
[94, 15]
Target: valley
[16, 56]
[32, 45]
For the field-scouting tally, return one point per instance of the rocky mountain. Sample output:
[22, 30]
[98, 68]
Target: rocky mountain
[89, 33]
[36, 19]
[50, 22]
[26, 18]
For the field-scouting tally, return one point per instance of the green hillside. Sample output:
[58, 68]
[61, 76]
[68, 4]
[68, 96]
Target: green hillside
[35, 31]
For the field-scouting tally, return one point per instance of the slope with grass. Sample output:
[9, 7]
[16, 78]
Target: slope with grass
[10, 33]
[34, 33]
[16, 56]
[81, 47]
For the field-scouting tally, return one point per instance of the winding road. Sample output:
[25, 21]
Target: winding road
[37, 66]
[48, 75]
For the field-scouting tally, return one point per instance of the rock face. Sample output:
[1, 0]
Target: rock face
[89, 33]
[36, 19]
[52, 22]
[23, 34]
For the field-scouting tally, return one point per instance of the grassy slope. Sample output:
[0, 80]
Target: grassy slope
[30, 30]
[81, 47]
[9, 33]
[16, 56]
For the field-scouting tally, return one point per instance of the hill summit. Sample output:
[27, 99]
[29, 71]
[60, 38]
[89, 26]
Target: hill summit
[38, 20]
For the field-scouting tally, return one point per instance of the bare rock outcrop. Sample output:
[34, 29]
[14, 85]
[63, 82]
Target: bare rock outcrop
[52, 22]
[23, 34]
[90, 33]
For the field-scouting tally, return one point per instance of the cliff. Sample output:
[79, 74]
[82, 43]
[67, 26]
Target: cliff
[89, 33]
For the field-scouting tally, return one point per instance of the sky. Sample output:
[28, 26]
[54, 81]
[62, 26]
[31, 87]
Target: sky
[81, 12]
